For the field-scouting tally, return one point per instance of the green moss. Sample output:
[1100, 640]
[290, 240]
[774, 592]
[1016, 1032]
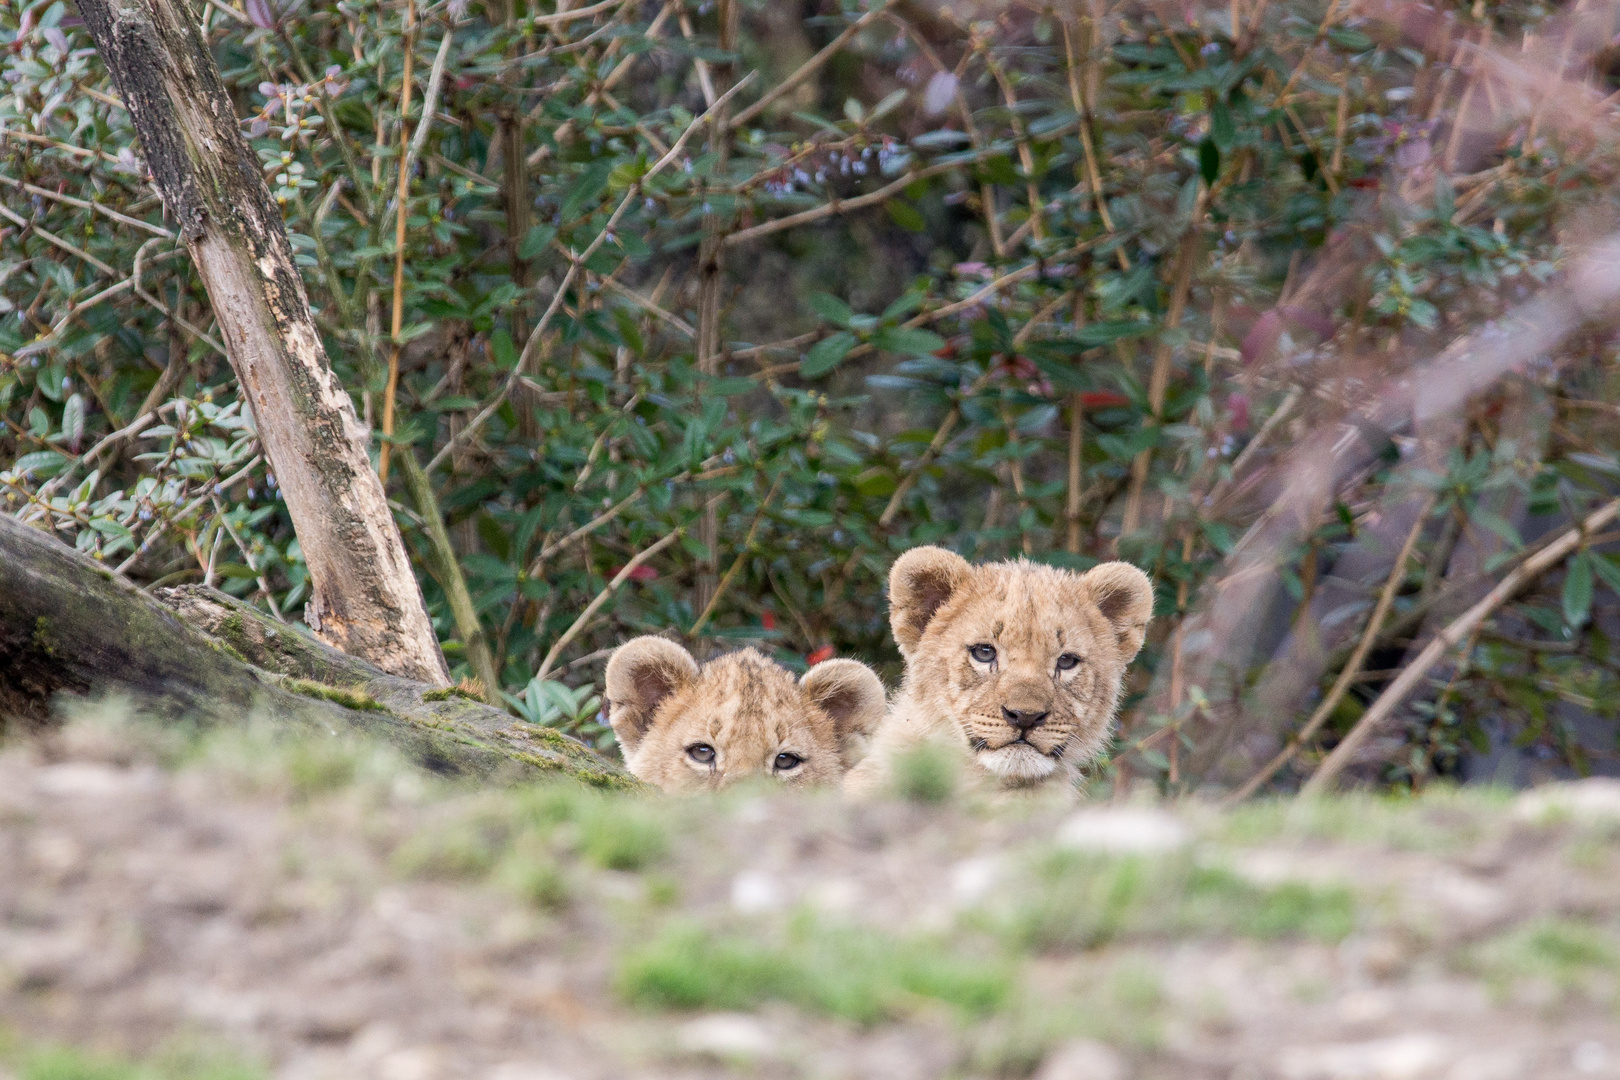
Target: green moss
[233, 626]
[42, 641]
[838, 970]
[448, 692]
[349, 699]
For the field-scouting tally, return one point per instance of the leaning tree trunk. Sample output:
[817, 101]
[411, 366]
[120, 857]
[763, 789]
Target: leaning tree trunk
[365, 599]
[69, 625]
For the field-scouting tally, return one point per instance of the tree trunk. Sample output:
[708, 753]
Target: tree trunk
[70, 625]
[364, 599]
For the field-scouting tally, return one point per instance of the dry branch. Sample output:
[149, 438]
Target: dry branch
[364, 596]
[1463, 627]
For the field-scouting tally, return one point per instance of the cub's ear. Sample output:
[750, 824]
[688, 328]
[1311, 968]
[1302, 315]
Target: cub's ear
[850, 693]
[640, 674]
[1125, 597]
[920, 582]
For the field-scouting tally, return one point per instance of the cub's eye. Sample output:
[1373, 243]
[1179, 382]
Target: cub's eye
[785, 761]
[984, 654]
[1068, 661]
[701, 752]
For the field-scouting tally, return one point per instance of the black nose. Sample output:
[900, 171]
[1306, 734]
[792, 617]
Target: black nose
[1023, 719]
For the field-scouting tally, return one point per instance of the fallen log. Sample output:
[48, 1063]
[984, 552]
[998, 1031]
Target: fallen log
[69, 625]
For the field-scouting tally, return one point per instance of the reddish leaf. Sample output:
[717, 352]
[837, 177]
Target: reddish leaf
[823, 653]
[1103, 399]
[767, 620]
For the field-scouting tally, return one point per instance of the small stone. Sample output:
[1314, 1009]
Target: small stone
[972, 879]
[728, 1036]
[1084, 1059]
[754, 892]
[1418, 1056]
[1593, 800]
[1590, 1056]
[1123, 831]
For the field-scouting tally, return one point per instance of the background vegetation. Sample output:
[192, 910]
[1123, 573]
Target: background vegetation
[1070, 281]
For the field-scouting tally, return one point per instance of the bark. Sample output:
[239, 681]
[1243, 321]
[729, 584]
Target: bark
[365, 599]
[69, 625]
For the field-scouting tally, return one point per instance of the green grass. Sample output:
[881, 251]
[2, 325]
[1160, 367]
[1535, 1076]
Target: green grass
[925, 774]
[840, 971]
[1566, 952]
[1082, 901]
[182, 1063]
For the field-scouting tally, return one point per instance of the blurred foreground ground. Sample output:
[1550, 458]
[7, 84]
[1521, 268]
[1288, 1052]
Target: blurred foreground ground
[237, 908]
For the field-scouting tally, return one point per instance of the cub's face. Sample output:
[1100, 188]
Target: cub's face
[685, 727]
[1026, 659]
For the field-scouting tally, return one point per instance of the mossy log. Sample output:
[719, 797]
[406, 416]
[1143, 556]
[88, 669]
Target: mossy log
[69, 625]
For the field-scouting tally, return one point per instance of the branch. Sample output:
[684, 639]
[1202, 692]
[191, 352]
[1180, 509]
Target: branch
[806, 69]
[1392, 697]
[1352, 667]
[539, 330]
[602, 598]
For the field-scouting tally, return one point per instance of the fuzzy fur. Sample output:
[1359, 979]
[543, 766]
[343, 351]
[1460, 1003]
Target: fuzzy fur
[1031, 615]
[745, 707]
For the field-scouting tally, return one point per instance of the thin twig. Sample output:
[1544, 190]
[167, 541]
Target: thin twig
[187, 510]
[219, 510]
[1352, 667]
[85, 204]
[1464, 626]
[396, 317]
[601, 598]
[807, 69]
[736, 566]
[535, 335]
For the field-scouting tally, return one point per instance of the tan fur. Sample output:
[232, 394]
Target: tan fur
[745, 708]
[941, 607]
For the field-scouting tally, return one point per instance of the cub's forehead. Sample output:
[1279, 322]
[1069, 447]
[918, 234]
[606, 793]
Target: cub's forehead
[1022, 599]
[743, 693]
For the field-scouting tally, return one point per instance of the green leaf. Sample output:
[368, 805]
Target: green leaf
[42, 463]
[73, 419]
[1209, 161]
[826, 354]
[1607, 570]
[832, 309]
[899, 339]
[1222, 128]
[1445, 198]
[906, 216]
[1578, 589]
[535, 241]
[586, 189]
[501, 347]
[1109, 331]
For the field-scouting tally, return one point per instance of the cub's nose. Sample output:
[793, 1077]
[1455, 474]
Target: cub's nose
[1023, 719]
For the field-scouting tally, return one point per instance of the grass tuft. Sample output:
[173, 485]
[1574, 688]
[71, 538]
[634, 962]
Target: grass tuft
[841, 971]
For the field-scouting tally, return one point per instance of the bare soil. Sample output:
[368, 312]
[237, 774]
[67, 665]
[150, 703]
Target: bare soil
[362, 923]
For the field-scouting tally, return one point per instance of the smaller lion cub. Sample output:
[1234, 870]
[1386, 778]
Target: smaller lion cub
[686, 728]
[1017, 664]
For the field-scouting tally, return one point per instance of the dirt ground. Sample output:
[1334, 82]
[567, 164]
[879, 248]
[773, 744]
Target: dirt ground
[324, 914]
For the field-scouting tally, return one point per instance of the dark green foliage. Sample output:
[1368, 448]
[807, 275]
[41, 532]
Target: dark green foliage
[908, 371]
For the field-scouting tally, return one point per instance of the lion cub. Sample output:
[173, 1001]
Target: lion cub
[685, 727]
[1017, 664]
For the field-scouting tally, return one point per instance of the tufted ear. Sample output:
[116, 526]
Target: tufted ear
[920, 582]
[640, 675]
[849, 692]
[1125, 597]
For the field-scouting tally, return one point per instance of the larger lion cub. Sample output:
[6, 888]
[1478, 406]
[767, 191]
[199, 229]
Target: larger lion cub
[1018, 665]
[685, 727]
